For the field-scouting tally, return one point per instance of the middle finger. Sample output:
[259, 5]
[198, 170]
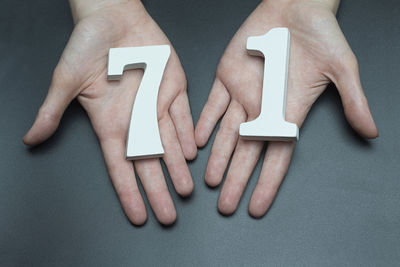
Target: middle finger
[153, 181]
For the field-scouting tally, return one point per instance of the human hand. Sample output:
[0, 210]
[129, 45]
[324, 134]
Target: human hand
[319, 54]
[82, 73]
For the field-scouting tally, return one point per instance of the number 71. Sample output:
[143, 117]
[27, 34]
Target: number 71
[144, 138]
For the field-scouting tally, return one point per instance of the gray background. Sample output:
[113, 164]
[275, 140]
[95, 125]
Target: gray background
[339, 204]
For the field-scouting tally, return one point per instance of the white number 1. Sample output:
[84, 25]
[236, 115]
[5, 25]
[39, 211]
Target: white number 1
[270, 124]
[143, 137]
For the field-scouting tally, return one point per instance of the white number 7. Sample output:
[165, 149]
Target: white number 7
[144, 136]
[270, 124]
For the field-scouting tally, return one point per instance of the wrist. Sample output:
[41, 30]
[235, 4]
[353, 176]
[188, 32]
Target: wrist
[331, 5]
[84, 8]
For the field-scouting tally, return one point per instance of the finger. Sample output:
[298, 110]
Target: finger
[354, 102]
[244, 160]
[153, 181]
[275, 166]
[182, 118]
[124, 181]
[174, 159]
[60, 94]
[215, 107]
[224, 143]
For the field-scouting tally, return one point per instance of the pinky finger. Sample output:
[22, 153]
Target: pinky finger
[275, 166]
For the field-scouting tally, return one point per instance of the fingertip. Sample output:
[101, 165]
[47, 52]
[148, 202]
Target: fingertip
[371, 133]
[167, 216]
[185, 188]
[163, 206]
[376, 135]
[136, 215]
[27, 139]
[138, 219]
[226, 206]
[190, 151]
[200, 137]
[361, 120]
[258, 205]
[134, 208]
[228, 200]
[212, 182]
[212, 178]
[30, 139]
[256, 213]
[41, 130]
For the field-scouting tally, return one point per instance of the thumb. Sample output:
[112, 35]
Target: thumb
[355, 104]
[48, 118]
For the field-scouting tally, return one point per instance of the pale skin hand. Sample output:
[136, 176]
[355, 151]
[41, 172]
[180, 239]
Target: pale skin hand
[319, 55]
[82, 73]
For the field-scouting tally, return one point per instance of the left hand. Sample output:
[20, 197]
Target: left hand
[319, 55]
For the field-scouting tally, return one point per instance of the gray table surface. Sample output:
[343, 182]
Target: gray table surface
[339, 204]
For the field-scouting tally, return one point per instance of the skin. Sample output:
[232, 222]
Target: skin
[82, 73]
[319, 54]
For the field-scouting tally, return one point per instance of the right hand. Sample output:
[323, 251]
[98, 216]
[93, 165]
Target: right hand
[82, 73]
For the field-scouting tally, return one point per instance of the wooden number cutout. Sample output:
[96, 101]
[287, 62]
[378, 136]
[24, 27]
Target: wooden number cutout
[144, 139]
[270, 125]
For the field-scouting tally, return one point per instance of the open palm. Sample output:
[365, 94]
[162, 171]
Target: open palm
[319, 55]
[82, 73]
